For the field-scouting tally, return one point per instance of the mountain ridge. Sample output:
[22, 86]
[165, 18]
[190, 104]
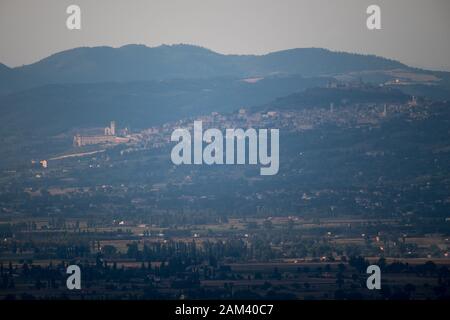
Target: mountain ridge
[141, 63]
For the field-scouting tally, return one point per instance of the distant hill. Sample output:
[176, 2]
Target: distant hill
[4, 68]
[322, 97]
[5, 77]
[141, 63]
[56, 108]
[140, 86]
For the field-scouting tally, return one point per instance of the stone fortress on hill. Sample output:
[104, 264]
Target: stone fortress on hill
[109, 136]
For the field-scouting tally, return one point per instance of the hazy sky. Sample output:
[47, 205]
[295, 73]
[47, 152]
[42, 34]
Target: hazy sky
[416, 32]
